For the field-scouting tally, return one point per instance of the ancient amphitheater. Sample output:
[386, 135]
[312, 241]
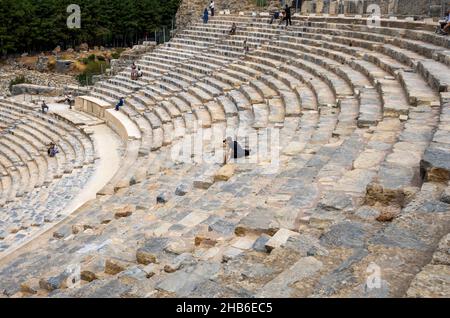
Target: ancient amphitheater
[346, 193]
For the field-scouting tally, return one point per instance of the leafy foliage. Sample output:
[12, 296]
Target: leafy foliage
[30, 25]
[93, 67]
[18, 80]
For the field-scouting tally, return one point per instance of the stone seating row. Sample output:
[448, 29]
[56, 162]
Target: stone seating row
[35, 187]
[303, 231]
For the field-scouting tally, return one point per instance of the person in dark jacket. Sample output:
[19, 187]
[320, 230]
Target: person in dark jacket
[44, 107]
[233, 29]
[120, 104]
[287, 15]
[234, 150]
[205, 16]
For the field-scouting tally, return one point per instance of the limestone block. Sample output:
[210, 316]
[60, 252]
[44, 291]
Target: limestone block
[124, 211]
[225, 173]
[115, 266]
[279, 239]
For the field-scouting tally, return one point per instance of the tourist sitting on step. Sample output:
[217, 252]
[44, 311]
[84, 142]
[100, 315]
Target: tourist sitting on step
[444, 25]
[139, 73]
[232, 149]
[44, 107]
[120, 104]
[205, 16]
[233, 29]
[275, 16]
[52, 150]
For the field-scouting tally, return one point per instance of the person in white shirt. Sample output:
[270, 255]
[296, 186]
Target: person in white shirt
[211, 6]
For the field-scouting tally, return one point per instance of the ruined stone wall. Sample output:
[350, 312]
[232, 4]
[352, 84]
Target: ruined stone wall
[388, 7]
[193, 9]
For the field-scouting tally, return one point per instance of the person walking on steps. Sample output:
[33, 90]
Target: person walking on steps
[120, 104]
[212, 7]
[205, 16]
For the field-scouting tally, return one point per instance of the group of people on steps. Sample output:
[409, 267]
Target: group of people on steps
[212, 7]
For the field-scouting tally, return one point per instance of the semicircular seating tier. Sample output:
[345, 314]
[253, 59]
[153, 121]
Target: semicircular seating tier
[362, 120]
[36, 188]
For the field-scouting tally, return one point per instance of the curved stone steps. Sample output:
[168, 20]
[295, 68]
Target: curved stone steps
[429, 68]
[35, 129]
[314, 66]
[78, 158]
[108, 87]
[201, 112]
[435, 163]
[401, 71]
[6, 183]
[36, 164]
[50, 166]
[16, 172]
[390, 90]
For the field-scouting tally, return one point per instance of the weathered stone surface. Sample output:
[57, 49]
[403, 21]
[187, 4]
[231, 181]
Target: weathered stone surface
[260, 243]
[179, 246]
[394, 236]
[225, 173]
[115, 266]
[62, 232]
[231, 253]
[55, 282]
[442, 255]
[258, 221]
[433, 281]
[179, 262]
[306, 245]
[124, 211]
[346, 234]
[279, 239]
[387, 214]
[149, 252]
[436, 163]
[182, 190]
[280, 286]
[30, 286]
[183, 282]
[446, 196]
[204, 183]
[223, 227]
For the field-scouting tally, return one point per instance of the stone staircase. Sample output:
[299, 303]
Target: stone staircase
[358, 205]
